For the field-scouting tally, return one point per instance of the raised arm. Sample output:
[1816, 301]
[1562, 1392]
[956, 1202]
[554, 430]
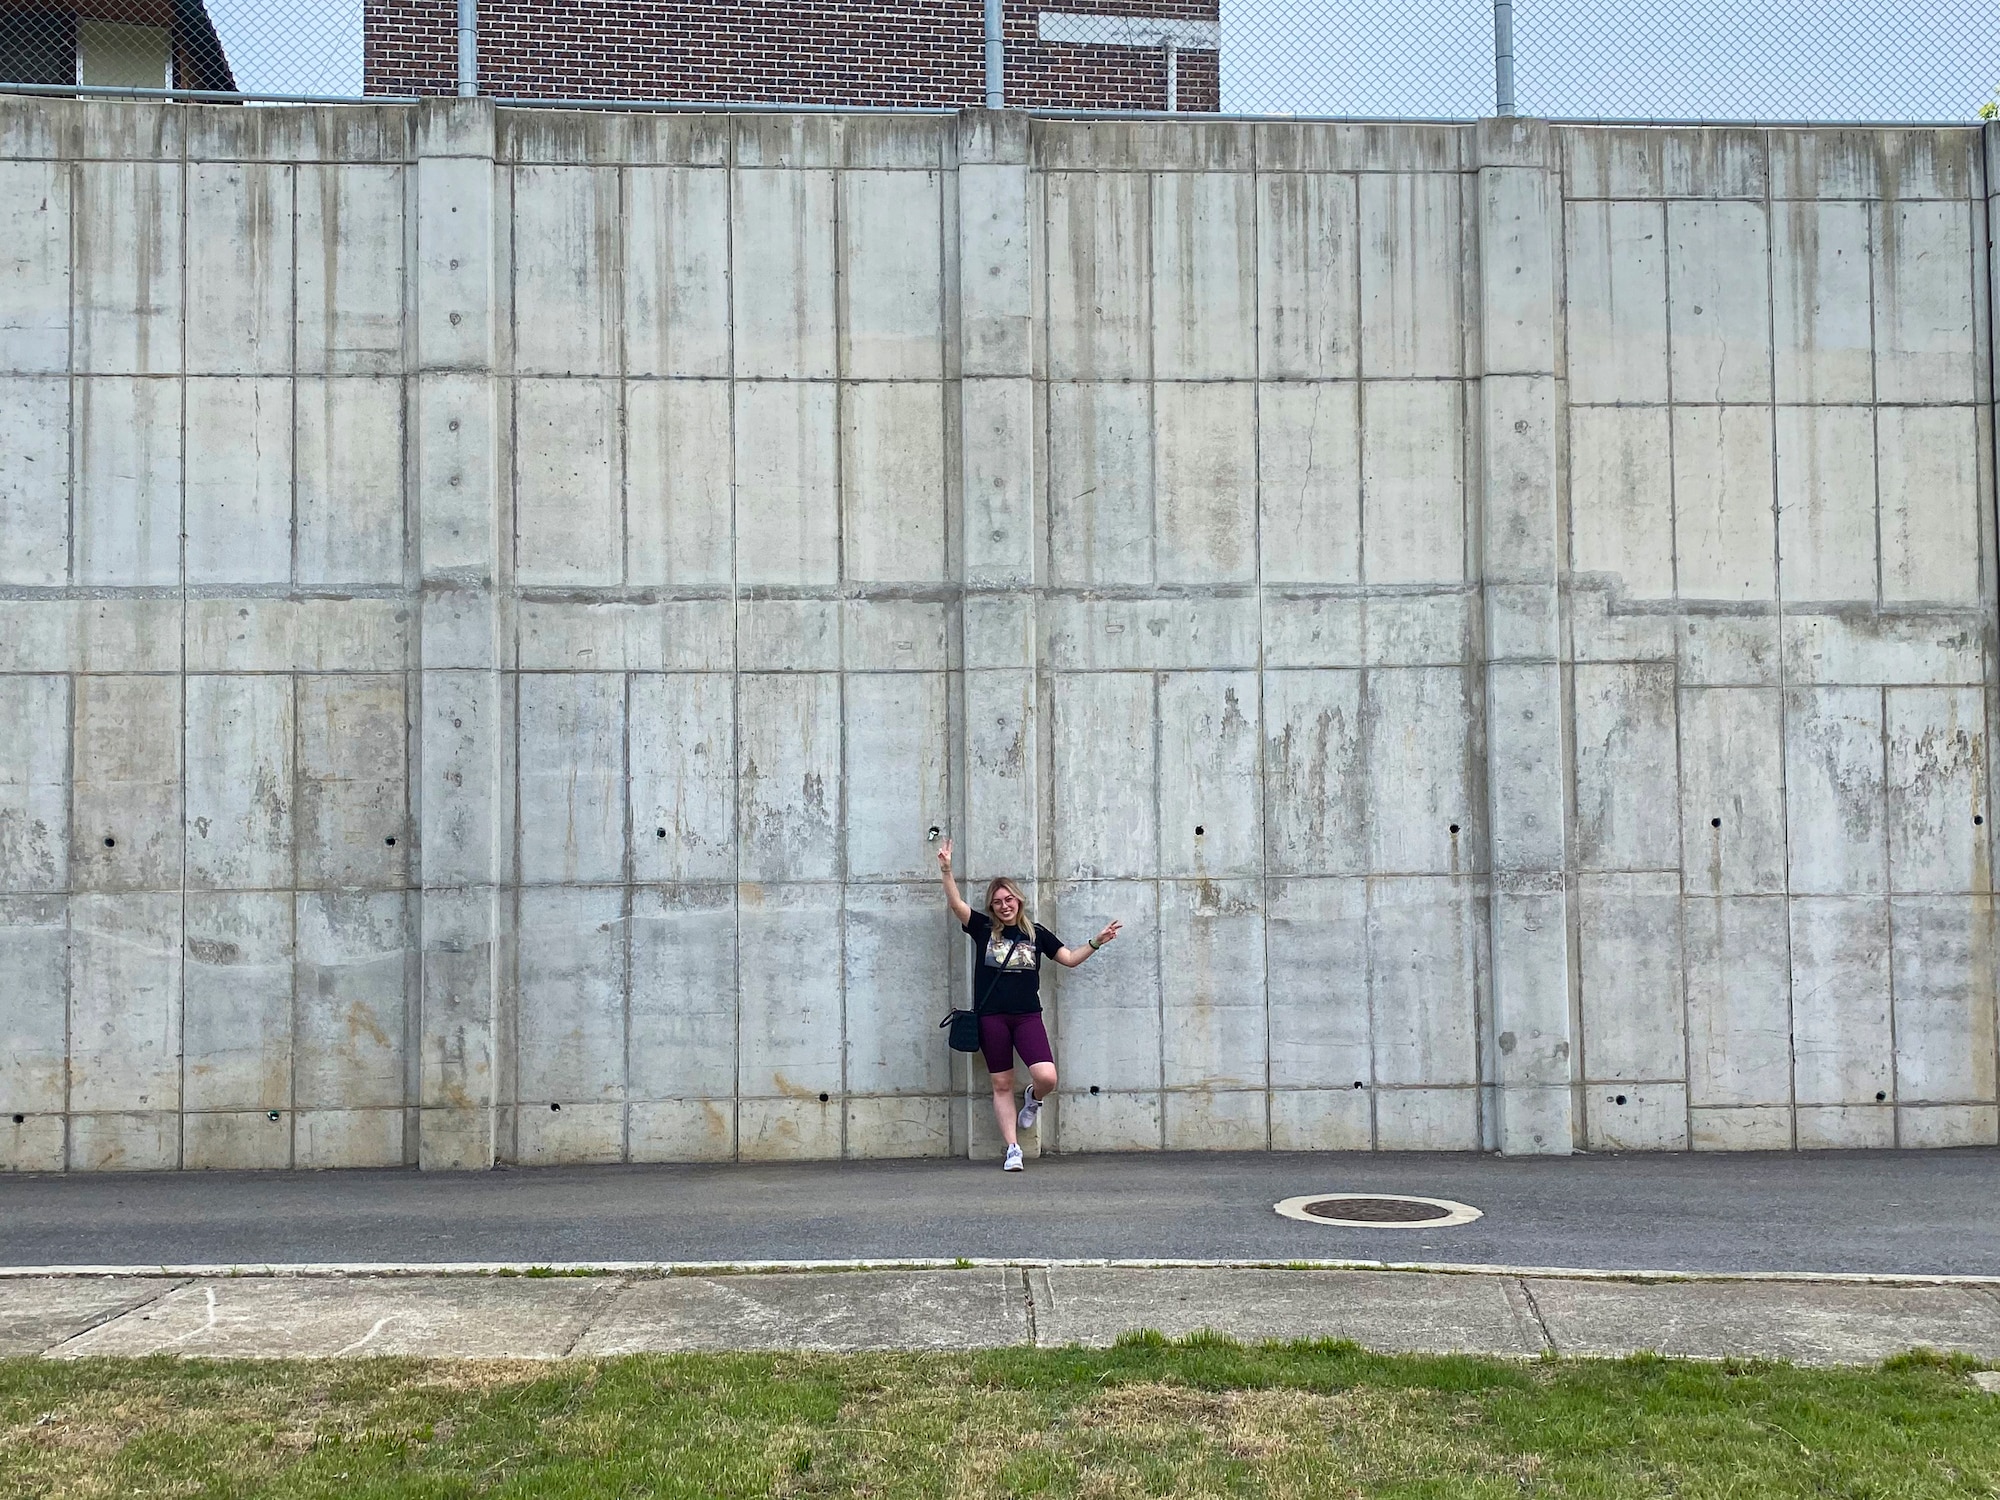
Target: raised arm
[1069, 958]
[951, 896]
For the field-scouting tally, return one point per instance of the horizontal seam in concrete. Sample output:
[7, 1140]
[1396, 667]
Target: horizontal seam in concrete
[442, 1269]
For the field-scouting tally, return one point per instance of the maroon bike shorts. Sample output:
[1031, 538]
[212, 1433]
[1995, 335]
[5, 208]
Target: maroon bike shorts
[1000, 1037]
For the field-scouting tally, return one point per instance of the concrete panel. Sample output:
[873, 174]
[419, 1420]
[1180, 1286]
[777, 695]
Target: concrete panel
[898, 1128]
[34, 1068]
[1835, 163]
[1423, 942]
[1211, 817]
[1308, 318]
[681, 1130]
[1427, 1120]
[1842, 1046]
[239, 271]
[893, 635]
[1820, 315]
[126, 826]
[350, 1050]
[790, 1005]
[136, 1141]
[1943, 969]
[1411, 264]
[567, 521]
[687, 635]
[570, 1034]
[1204, 257]
[242, 757]
[1649, 1118]
[124, 1005]
[1846, 1127]
[1105, 776]
[1738, 1002]
[1937, 788]
[782, 276]
[1627, 769]
[34, 783]
[1884, 648]
[34, 481]
[1752, 1128]
[126, 272]
[1205, 476]
[303, 635]
[323, 1139]
[1730, 650]
[1925, 345]
[789, 1131]
[1939, 1125]
[997, 284]
[1412, 482]
[892, 482]
[128, 482]
[1421, 629]
[899, 958]
[788, 635]
[238, 516]
[1722, 502]
[1309, 481]
[462, 731]
[1099, 227]
[1314, 782]
[683, 1002]
[565, 254]
[1322, 1120]
[1316, 958]
[891, 276]
[996, 420]
[1415, 726]
[1107, 1020]
[1215, 1120]
[1826, 502]
[38, 1314]
[1515, 209]
[348, 449]
[1929, 466]
[1630, 985]
[1111, 1122]
[236, 1031]
[676, 265]
[1621, 511]
[1101, 484]
[1165, 633]
[1215, 1032]
[244, 1140]
[682, 761]
[678, 473]
[34, 286]
[788, 776]
[572, 769]
[1616, 317]
[787, 497]
[1001, 756]
[1718, 318]
[353, 790]
[897, 745]
[350, 229]
[1834, 793]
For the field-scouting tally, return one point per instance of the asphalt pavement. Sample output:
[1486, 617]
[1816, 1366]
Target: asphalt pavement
[1889, 1213]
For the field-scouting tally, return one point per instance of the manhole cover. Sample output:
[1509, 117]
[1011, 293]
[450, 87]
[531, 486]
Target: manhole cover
[1377, 1211]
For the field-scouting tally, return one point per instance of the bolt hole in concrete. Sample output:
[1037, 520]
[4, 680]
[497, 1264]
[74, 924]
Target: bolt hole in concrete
[1715, 822]
[1880, 1096]
[1359, 1084]
[1093, 1088]
[932, 836]
[1454, 828]
[1617, 1098]
[272, 1115]
[1199, 830]
[554, 1108]
[659, 833]
[20, 1119]
[822, 1098]
[1977, 820]
[1377, 1211]
[390, 841]
[110, 843]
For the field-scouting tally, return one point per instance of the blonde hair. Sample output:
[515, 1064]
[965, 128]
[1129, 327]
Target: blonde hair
[1024, 919]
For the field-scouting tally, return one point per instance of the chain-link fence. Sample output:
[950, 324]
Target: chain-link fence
[1934, 60]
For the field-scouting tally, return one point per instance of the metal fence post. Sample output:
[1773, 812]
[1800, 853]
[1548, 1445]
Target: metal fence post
[468, 48]
[1503, 57]
[996, 57]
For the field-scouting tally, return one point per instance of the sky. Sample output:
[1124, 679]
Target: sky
[1433, 59]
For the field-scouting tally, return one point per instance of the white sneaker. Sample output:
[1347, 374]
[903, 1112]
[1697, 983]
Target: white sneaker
[1031, 1110]
[1012, 1163]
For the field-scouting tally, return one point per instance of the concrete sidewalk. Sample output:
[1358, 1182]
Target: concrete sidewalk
[487, 1316]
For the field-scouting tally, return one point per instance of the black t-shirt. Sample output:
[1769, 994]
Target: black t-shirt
[1016, 989]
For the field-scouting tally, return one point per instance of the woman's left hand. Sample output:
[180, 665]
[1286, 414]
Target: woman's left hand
[1108, 934]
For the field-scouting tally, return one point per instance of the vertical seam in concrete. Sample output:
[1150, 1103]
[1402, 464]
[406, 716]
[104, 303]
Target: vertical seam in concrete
[72, 500]
[617, 299]
[1158, 883]
[1257, 564]
[735, 655]
[1680, 648]
[298, 723]
[180, 957]
[1028, 1301]
[840, 591]
[626, 899]
[1870, 213]
[415, 700]
[1986, 293]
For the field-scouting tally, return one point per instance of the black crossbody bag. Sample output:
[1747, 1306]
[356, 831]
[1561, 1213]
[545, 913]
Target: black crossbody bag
[961, 1027]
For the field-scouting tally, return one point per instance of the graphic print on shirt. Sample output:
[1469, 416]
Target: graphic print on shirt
[1023, 956]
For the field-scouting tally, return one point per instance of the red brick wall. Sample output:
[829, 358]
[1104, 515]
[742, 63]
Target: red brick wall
[854, 52]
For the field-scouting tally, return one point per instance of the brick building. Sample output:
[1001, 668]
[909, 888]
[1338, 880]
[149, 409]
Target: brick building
[1077, 54]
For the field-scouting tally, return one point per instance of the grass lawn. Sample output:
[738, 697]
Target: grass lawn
[1202, 1417]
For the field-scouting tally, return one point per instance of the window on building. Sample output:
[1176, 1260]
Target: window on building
[121, 56]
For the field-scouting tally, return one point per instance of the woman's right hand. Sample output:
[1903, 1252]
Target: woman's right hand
[944, 856]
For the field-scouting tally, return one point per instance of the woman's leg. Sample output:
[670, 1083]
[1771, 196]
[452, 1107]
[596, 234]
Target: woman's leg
[1031, 1040]
[996, 1043]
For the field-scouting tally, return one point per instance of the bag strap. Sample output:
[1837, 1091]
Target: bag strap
[987, 993]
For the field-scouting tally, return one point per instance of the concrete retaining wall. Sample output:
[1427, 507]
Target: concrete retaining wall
[494, 604]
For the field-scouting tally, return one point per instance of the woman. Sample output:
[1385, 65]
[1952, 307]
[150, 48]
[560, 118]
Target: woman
[1006, 995]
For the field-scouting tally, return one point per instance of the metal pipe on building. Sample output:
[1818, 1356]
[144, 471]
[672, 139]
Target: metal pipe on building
[1173, 75]
[1503, 57]
[468, 48]
[996, 56]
